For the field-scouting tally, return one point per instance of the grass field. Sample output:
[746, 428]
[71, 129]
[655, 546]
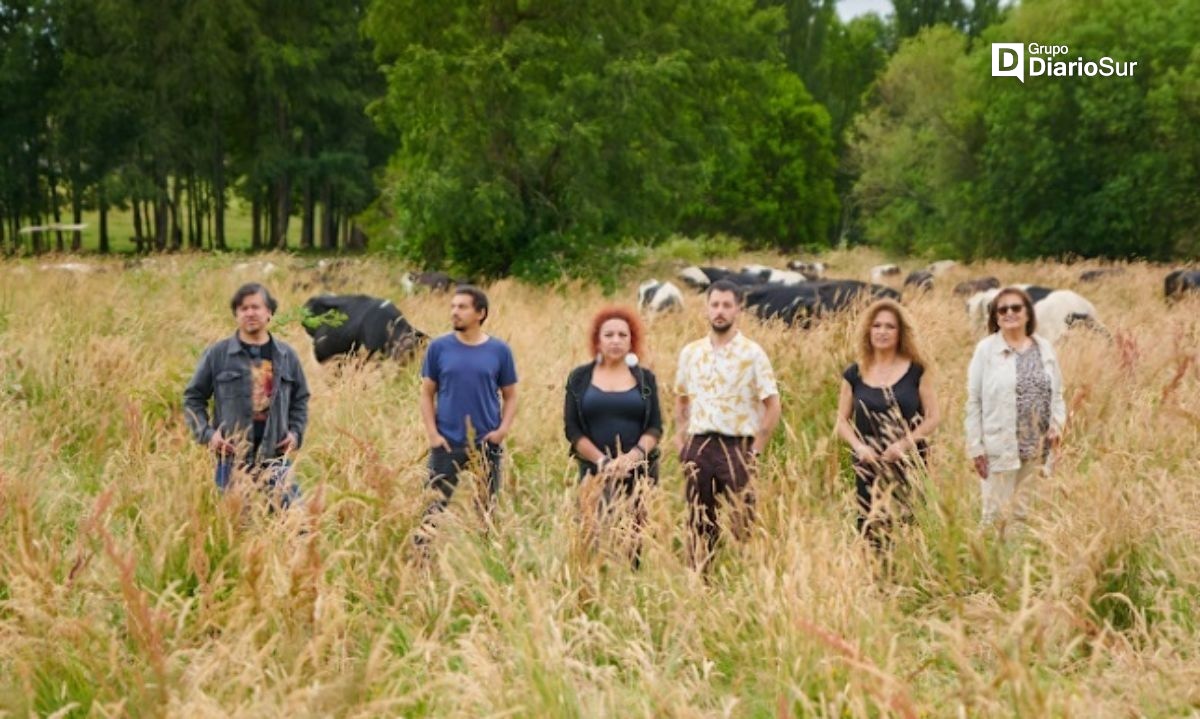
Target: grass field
[129, 588]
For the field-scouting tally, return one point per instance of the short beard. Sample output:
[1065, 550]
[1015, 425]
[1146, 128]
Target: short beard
[720, 330]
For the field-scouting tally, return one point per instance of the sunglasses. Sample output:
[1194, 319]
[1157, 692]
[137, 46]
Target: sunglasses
[1005, 309]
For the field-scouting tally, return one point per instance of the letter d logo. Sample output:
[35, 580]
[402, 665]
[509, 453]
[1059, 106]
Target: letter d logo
[1008, 60]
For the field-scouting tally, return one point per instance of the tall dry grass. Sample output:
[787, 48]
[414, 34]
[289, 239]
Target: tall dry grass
[129, 587]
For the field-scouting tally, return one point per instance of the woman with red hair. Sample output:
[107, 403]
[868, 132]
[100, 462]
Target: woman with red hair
[613, 421]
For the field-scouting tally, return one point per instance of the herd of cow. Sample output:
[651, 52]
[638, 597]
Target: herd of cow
[797, 296]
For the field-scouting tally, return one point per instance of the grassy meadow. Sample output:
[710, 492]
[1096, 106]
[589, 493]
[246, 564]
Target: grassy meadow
[128, 587]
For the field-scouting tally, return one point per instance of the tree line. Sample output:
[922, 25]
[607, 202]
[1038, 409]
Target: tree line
[167, 110]
[536, 137]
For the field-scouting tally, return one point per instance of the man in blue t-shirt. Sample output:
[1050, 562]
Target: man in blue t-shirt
[468, 401]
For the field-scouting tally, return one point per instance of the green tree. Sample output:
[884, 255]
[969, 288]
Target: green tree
[916, 150]
[1096, 166]
[954, 160]
[777, 189]
[30, 67]
[539, 135]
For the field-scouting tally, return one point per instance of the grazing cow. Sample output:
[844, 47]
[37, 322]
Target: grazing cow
[1062, 310]
[941, 267]
[370, 323]
[1057, 311]
[799, 305]
[261, 268]
[655, 296]
[979, 284]
[771, 275]
[921, 279]
[699, 278]
[1179, 283]
[1093, 275]
[811, 270]
[880, 273]
[436, 281]
[75, 268]
[329, 276]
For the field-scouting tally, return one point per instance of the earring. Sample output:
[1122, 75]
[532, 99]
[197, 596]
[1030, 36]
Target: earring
[631, 359]
[599, 357]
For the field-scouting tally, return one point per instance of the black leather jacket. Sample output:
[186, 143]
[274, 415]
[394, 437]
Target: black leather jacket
[576, 426]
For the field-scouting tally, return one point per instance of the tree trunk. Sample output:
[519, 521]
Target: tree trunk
[77, 190]
[102, 206]
[218, 193]
[161, 212]
[328, 229]
[58, 235]
[147, 228]
[77, 218]
[255, 223]
[283, 186]
[269, 214]
[206, 217]
[189, 212]
[175, 232]
[307, 220]
[137, 225]
[283, 192]
[158, 239]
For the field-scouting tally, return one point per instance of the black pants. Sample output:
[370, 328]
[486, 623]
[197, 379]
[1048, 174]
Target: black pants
[445, 468]
[885, 496]
[718, 469]
[600, 496]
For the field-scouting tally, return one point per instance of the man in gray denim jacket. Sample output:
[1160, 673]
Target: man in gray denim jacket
[261, 399]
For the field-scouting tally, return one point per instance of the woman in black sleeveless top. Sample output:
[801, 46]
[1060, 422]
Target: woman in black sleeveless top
[613, 421]
[886, 412]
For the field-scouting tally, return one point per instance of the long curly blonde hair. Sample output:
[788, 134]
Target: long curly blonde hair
[909, 344]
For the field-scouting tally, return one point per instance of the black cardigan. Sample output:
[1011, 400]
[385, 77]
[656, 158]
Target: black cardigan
[575, 425]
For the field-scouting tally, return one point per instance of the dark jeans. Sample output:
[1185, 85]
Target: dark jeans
[445, 467]
[271, 477]
[718, 468]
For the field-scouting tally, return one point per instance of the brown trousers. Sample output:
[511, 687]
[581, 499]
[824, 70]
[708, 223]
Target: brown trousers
[718, 468]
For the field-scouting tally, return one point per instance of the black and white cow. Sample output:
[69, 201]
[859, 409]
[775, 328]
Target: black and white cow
[881, 273]
[1057, 311]
[655, 296]
[436, 281]
[941, 267]
[699, 278]
[979, 284]
[370, 323]
[920, 279]
[1093, 275]
[799, 305]
[773, 276]
[811, 270]
[1180, 283]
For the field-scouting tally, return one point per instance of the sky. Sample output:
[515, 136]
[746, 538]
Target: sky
[853, 8]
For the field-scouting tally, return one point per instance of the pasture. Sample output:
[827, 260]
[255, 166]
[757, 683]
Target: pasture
[128, 587]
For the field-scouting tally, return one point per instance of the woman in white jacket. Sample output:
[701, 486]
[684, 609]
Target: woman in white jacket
[1015, 407]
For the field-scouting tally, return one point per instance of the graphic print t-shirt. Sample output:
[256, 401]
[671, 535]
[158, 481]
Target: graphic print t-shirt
[262, 385]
